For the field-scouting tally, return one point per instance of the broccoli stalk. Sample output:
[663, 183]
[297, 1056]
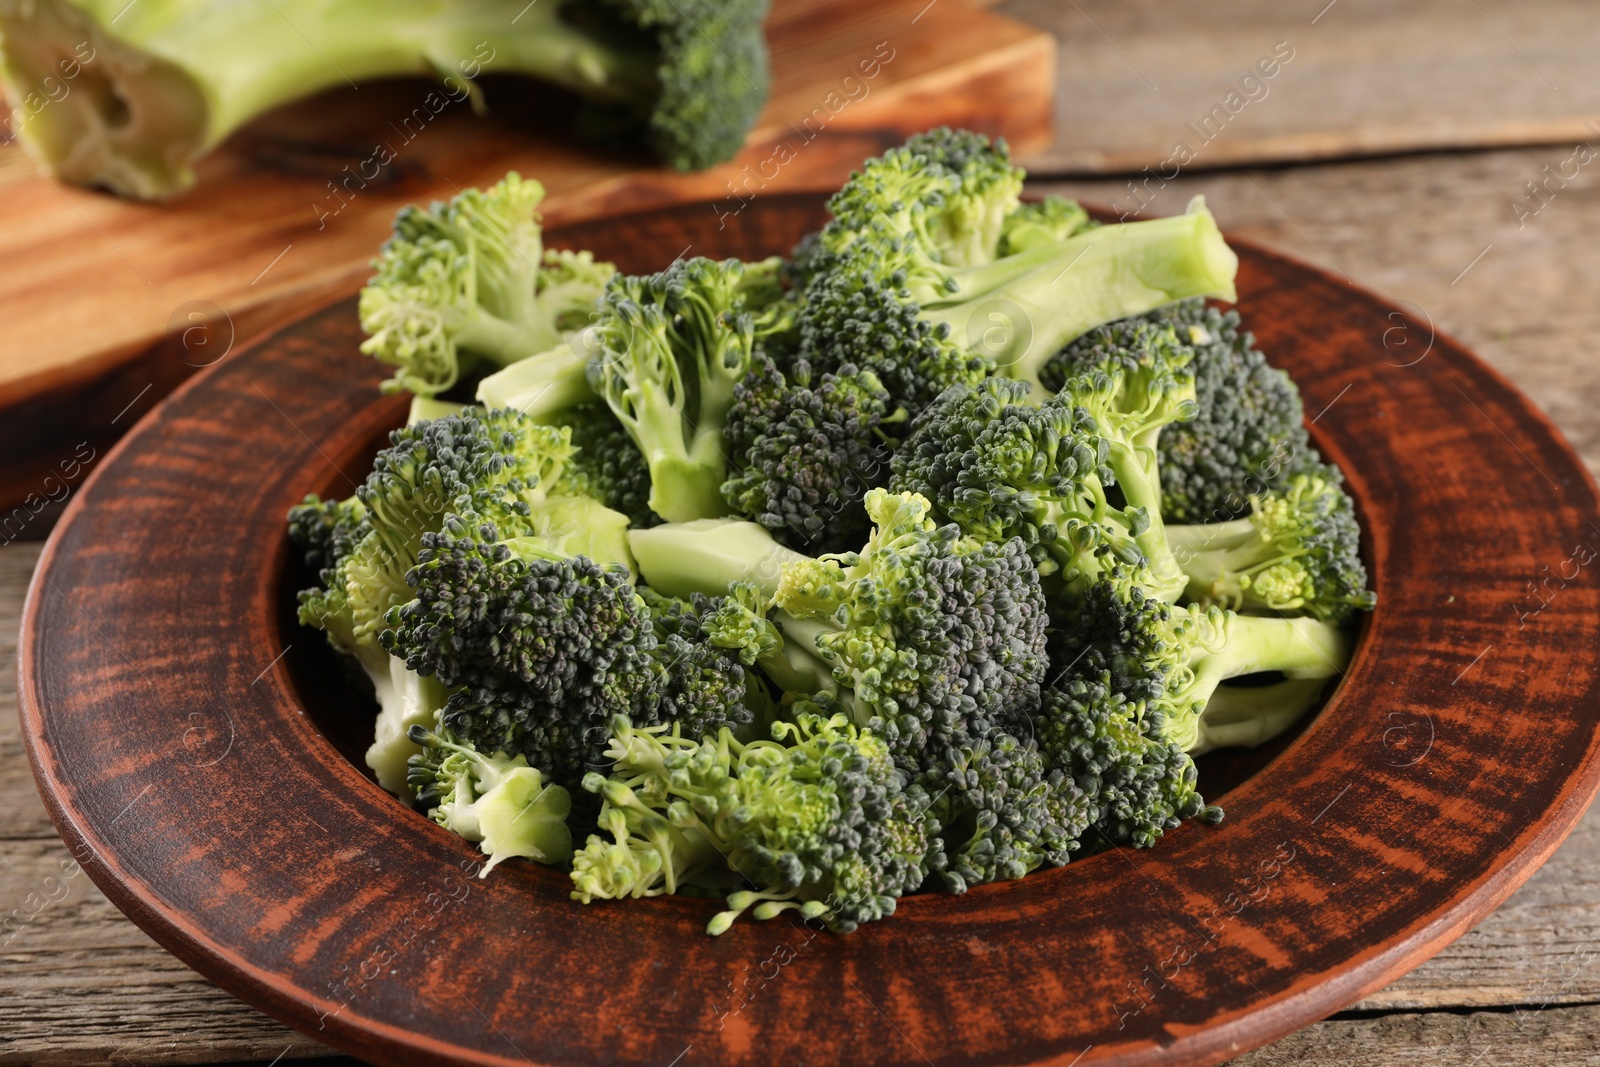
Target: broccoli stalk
[407, 701]
[544, 385]
[1065, 289]
[1240, 716]
[166, 81]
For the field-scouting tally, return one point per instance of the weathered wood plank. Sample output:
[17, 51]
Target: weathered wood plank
[25, 815]
[1364, 77]
[1566, 1036]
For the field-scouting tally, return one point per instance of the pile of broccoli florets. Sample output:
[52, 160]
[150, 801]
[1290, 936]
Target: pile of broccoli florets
[926, 558]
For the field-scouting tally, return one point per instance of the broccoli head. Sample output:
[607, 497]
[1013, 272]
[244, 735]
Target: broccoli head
[540, 646]
[1139, 784]
[805, 448]
[670, 349]
[1248, 434]
[686, 78]
[1042, 222]
[817, 820]
[470, 281]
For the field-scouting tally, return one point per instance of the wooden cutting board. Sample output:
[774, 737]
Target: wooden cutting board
[108, 305]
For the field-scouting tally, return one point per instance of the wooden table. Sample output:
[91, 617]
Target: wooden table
[81, 985]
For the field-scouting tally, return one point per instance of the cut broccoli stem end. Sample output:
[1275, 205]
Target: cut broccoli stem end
[541, 386]
[129, 121]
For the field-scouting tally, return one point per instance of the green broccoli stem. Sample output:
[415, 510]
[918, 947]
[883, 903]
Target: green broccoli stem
[426, 409]
[1300, 648]
[708, 555]
[1140, 483]
[542, 386]
[167, 81]
[1297, 648]
[1214, 557]
[506, 342]
[1247, 716]
[685, 476]
[1048, 296]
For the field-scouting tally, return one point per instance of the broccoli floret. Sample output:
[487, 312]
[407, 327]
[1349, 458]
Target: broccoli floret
[705, 682]
[429, 471]
[470, 281]
[1073, 478]
[1002, 812]
[670, 349]
[1042, 222]
[1248, 435]
[174, 79]
[1141, 691]
[1298, 552]
[497, 801]
[326, 530]
[541, 645]
[805, 448]
[817, 820]
[606, 464]
[1139, 784]
[885, 292]
[523, 605]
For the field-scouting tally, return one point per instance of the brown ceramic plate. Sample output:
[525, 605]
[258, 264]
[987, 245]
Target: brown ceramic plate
[187, 738]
